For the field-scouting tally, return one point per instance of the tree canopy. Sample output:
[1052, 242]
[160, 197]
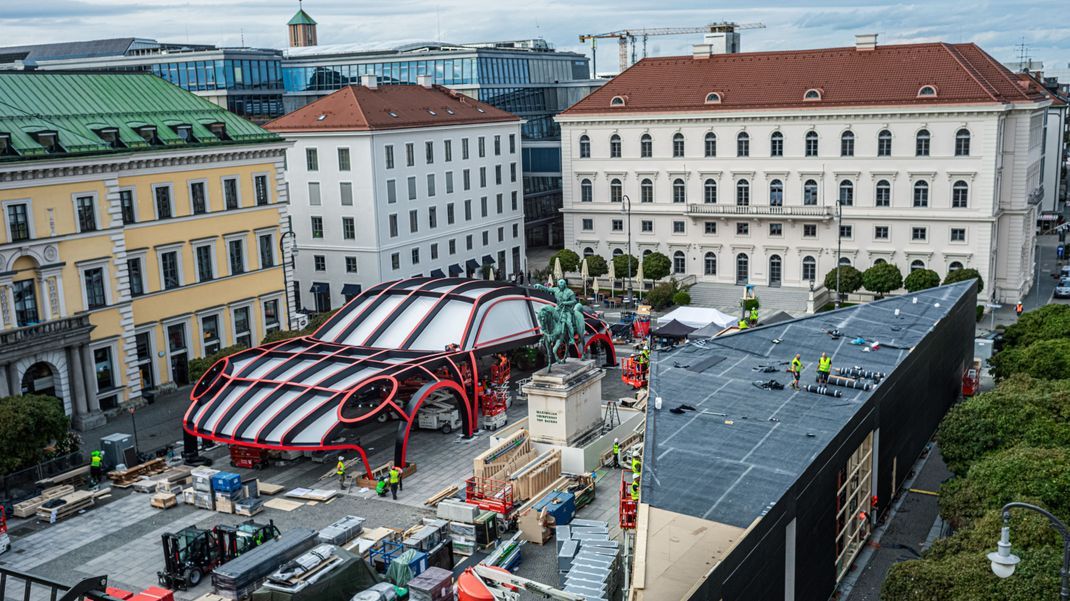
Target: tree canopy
[882, 278]
[961, 275]
[597, 266]
[570, 261]
[620, 266]
[28, 425]
[850, 279]
[921, 279]
[1044, 323]
[656, 266]
[1047, 359]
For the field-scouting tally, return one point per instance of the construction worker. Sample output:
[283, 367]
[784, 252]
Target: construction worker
[754, 316]
[96, 466]
[637, 465]
[1018, 309]
[742, 324]
[616, 452]
[340, 469]
[796, 371]
[635, 487]
[395, 479]
[824, 367]
[401, 478]
[380, 486]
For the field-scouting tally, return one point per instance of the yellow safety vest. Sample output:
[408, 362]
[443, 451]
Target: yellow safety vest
[743, 324]
[824, 365]
[796, 365]
[754, 314]
[341, 469]
[394, 476]
[95, 460]
[616, 449]
[636, 466]
[635, 491]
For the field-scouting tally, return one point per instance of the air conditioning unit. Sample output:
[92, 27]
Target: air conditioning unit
[302, 321]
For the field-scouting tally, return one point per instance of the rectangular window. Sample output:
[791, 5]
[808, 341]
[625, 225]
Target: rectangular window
[94, 288]
[710, 227]
[343, 159]
[312, 160]
[497, 146]
[267, 251]
[197, 197]
[393, 225]
[449, 182]
[429, 152]
[410, 154]
[468, 242]
[453, 247]
[434, 251]
[319, 262]
[482, 177]
[588, 225]
[617, 225]
[391, 191]
[853, 501]
[516, 231]
[210, 334]
[104, 368]
[468, 210]
[677, 227]
[432, 217]
[412, 187]
[314, 194]
[416, 256]
[809, 230]
[25, 292]
[482, 147]
[513, 201]
[18, 221]
[317, 227]
[87, 213]
[164, 210]
[497, 175]
[349, 228]
[351, 265]
[646, 226]
[500, 204]
[466, 175]
[389, 157]
[846, 231]
[512, 172]
[742, 229]
[170, 270]
[205, 269]
[414, 221]
[345, 192]
[958, 234]
[449, 214]
[880, 232]
[242, 334]
[776, 229]
[919, 234]
[464, 148]
[236, 256]
[395, 261]
[512, 143]
[271, 316]
[430, 184]
[230, 193]
[136, 275]
[126, 204]
[260, 188]
[447, 149]
[501, 234]
[483, 206]
[486, 238]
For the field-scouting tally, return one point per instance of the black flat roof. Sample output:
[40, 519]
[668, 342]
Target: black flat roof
[743, 447]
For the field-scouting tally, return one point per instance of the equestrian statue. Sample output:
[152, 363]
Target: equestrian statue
[560, 324]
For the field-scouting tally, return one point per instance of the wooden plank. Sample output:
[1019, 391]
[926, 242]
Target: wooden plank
[437, 498]
[283, 504]
[78, 472]
[269, 489]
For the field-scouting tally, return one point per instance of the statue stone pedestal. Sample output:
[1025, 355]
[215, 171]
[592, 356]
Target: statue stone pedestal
[565, 405]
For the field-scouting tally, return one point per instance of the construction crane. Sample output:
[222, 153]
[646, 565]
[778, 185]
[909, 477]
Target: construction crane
[626, 38]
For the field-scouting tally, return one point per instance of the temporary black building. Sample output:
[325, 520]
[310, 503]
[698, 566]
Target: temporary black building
[673, 329]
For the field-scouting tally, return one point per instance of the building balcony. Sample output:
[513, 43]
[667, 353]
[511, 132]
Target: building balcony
[1036, 195]
[717, 210]
[53, 334]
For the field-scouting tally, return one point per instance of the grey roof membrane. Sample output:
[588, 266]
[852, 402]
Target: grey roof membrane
[65, 50]
[740, 450]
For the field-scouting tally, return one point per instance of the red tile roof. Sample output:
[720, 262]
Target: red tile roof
[887, 75]
[357, 108]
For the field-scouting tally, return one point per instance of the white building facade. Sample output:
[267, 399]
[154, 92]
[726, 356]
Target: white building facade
[376, 203]
[747, 192]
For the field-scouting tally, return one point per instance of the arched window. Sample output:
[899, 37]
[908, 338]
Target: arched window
[960, 195]
[588, 251]
[776, 270]
[710, 264]
[586, 191]
[679, 262]
[743, 144]
[811, 143]
[812, 94]
[713, 98]
[679, 191]
[742, 268]
[776, 193]
[616, 191]
[646, 191]
[617, 101]
[883, 195]
[776, 144]
[927, 91]
[884, 143]
[962, 143]
[879, 262]
[647, 252]
[810, 192]
[585, 147]
[742, 193]
[845, 262]
[954, 266]
[711, 144]
[847, 193]
[709, 189]
[617, 252]
[921, 143]
[921, 194]
[678, 145]
[614, 146]
[809, 268]
[847, 144]
[917, 264]
[646, 146]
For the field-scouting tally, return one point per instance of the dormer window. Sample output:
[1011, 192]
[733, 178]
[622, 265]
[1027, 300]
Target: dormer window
[148, 133]
[393, 114]
[111, 136]
[449, 110]
[6, 149]
[925, 91]
[49, 140]
[617, 101]
[185, 133]
[219, 130]
[713, 98]
[812, 94]
[432, 113]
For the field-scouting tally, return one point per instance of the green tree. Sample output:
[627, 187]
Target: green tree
[597, 266]
[961, 275]
[921, 279]
[661, 295]
[570, 261]
[656, 266]
[620, 266]
[1046, 359]
[882, 278]
[682, 298]
[1045, 323]
[28, 425]
[850, 279]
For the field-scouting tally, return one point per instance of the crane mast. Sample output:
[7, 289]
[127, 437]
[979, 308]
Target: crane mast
[626, 38]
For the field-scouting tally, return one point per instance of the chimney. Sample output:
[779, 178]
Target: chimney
[701, 51]
[423, 81]
[369, 81]
[865, 42]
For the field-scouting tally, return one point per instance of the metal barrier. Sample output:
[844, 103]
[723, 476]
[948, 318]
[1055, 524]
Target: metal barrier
[91, 589]
[21, 485]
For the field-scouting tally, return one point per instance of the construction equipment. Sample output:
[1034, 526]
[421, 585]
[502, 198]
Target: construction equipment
[439, 415]
[193, 552]
[971, 379]
[487, 582]
[635, 371]
[629, 507]
[5, 540]
[626, 38]
[248, 457]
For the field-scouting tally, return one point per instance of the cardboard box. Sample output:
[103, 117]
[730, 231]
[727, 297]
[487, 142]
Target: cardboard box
[223, 503]
[204, 500]
[163, 500]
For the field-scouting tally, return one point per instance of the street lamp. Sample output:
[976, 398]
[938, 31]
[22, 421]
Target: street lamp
[839, 246]
[1004, 562]
[293, 264]
[626, 208]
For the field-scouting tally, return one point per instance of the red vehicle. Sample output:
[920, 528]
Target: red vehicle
[629, 507]
[634, 372]
[971, 379]
[388, 351]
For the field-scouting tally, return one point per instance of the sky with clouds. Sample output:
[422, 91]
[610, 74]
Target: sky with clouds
[998, 27]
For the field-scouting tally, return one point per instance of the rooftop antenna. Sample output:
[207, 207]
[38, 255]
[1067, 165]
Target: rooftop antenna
[243, 37]
[1023, 50]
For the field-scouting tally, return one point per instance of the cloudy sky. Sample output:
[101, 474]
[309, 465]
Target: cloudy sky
[999, 26]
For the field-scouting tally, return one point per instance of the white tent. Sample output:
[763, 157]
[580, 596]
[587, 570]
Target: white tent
[697, 317]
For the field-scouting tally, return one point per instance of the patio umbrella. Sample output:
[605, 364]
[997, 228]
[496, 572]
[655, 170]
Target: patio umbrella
[490, 273]
[639, 276]
[594, 287]
[584, 274]
[612, 278]
[558, 273]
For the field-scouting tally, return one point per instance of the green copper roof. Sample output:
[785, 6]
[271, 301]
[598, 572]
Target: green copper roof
[302, 18]
[78, 105]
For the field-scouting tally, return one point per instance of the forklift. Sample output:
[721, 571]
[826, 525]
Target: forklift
[192, 553]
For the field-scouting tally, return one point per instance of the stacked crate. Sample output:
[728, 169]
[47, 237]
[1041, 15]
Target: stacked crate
[588, 561]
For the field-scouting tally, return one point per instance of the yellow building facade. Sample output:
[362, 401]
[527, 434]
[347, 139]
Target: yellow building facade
[118, 267]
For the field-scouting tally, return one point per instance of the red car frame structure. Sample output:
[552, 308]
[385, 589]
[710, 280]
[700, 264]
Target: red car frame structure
[385, 353]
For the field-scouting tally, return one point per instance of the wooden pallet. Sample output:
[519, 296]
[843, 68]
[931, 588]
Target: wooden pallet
[126, 478]
[29, 507]
[438, 497]
[75, 502]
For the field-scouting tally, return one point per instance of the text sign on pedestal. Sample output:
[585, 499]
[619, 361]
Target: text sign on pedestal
[564, 406]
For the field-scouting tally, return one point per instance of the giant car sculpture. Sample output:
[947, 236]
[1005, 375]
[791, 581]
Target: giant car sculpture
[392, 348]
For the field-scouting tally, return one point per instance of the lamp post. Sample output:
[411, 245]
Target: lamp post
[626, 208]
[839, 248]
[1003, 562]
[293, 264]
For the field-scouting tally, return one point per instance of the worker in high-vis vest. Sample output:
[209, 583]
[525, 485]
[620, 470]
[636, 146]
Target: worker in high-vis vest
[796, 370]
[395, 479]
[96, 466]
[742, 324]
[635, 487]
[637, 465]
[754, 316]
[824, 367]
[340, 469]
[616, 452]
